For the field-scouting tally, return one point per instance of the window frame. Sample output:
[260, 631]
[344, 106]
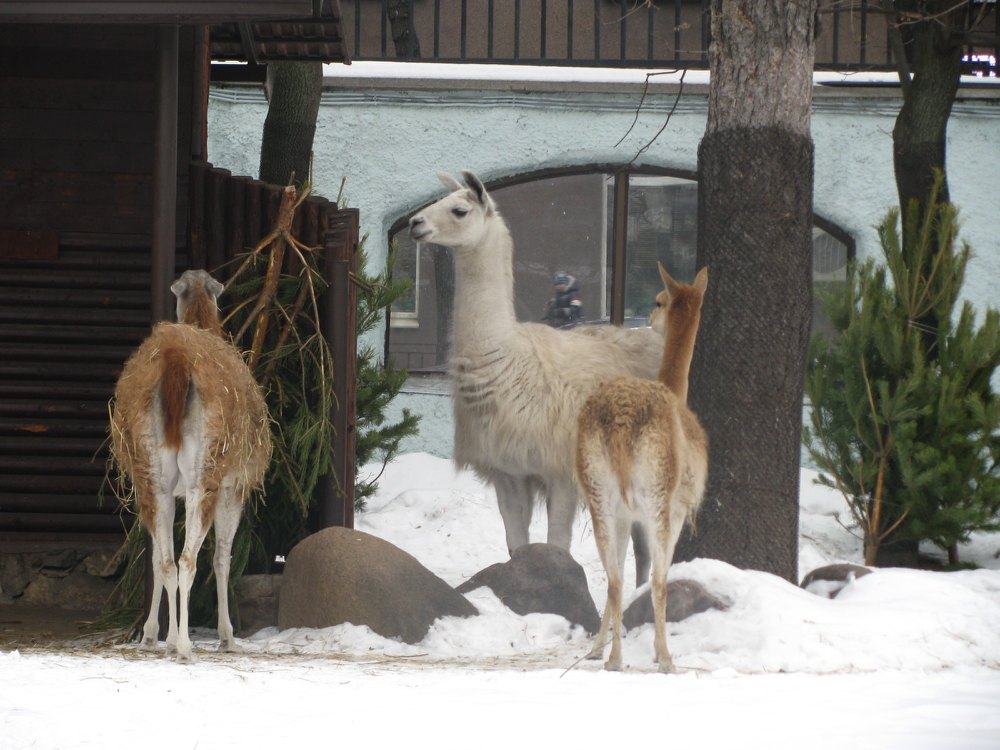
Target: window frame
[619, 181]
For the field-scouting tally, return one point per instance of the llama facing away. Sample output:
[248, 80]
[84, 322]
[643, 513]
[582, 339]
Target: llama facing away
[188, 420]
[518, 387]
[642, 456]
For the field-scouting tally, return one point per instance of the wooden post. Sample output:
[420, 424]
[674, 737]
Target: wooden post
[340, 329]
[164, 230]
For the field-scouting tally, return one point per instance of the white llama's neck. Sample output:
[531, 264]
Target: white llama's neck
[484, 291]
[678, 349]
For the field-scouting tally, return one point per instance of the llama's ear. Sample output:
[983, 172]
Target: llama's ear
[668, 283]
[449, 182]
[478, 188]
[701, 281]
[215, 288]
[179, 287]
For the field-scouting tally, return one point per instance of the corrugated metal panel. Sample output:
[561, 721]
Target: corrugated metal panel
[67, 324]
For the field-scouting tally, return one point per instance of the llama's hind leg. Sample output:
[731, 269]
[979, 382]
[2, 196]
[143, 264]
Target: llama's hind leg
[161, 540]
[516, 498]
[663, 551]
[227, 520]
[195, 530]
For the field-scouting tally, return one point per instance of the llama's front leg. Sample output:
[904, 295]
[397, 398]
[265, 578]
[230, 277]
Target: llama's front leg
[561, 506]
[227, 519]
[195, 530]
[515, 498]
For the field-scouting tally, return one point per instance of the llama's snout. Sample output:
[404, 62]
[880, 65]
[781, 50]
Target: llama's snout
[419, 228]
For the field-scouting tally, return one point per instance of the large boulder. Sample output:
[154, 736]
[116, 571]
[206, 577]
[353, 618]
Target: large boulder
[541, 578]
[829, 580]
[341, 575]
[684, 598]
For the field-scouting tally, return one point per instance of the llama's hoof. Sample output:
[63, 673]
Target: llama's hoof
[230, 647]
[148, 643]
[666, 666]
[185, 657]
[595, 653]
[613, 665]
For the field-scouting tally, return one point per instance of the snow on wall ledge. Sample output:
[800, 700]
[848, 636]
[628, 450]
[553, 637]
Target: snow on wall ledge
[388, 131]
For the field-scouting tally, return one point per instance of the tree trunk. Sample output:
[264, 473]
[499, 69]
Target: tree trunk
[286, 147]
[404, 38]
[918, 138]
[755, 168]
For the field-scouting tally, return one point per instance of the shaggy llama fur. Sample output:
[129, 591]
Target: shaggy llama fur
[188, 420]
[643, 456]
[518, 387]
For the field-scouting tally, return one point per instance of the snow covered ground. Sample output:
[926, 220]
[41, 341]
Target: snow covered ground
[901, 659]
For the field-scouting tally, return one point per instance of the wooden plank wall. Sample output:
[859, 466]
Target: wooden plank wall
[76, 118]
[76, 155]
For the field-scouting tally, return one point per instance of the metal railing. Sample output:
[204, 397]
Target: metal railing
[597, 33]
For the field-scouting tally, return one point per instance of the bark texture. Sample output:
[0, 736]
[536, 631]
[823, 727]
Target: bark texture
[755, 233]
[290, 126]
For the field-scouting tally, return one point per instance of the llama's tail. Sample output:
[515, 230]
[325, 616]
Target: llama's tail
[620, 452]
[175, 381]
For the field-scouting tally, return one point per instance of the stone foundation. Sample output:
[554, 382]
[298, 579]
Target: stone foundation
[76, 579]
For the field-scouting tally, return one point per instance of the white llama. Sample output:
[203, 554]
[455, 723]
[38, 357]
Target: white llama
[518, 387]
[642, 456]
[188, 420]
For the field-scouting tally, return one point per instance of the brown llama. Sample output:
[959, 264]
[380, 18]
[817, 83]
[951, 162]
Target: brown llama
[188, 420]
[642, 456]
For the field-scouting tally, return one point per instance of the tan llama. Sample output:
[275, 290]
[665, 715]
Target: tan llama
[642, 457]
[188, 420]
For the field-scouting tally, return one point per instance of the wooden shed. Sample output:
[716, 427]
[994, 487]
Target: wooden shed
[102, 137]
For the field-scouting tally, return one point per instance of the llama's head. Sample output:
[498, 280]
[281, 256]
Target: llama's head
[457, 220]
[197, 299]
[679, 301]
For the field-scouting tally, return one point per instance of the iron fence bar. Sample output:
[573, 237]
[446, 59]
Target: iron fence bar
[677, 29]
[411, 28]
[542, 25]
[517, 29]
[836, 33]
[489, 30]
[650, 27]
[437, 28]
[382, 27]
[465, 21]
[864, 32]
[597, 29]
[623, 12]
[357, 28]
[569, 30]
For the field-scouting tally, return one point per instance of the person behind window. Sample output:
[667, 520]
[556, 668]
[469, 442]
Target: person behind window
[565, 305]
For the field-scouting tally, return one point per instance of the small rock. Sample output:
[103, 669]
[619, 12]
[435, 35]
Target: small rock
[684, 598]
[830, 580]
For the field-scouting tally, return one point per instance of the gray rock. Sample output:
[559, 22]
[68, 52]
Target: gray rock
[829, 580]
[341, 575]
[684, 598]
[258, 602]
[74, 590]
[14, 576]
[541, 578]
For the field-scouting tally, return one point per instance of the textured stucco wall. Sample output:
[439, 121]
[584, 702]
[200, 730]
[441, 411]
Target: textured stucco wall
[388, 139]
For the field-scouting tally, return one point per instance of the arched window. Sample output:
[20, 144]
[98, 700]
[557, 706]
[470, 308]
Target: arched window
[604, 230]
